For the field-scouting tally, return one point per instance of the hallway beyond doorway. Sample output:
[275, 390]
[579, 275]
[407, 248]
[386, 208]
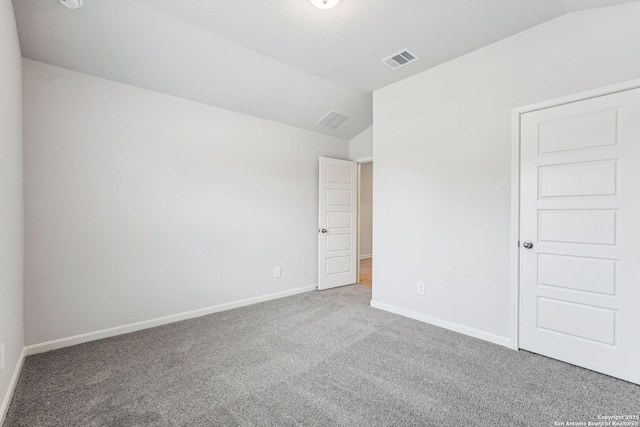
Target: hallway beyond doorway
[365, 272]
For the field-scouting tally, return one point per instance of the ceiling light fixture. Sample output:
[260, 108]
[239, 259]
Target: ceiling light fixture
[72, 4]
[324, 4]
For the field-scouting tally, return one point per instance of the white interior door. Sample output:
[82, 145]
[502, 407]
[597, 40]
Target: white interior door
[337, 223]
[580, 209]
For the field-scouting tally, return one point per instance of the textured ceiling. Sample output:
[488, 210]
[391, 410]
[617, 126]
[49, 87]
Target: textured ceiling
[282, 60]
[578, 5]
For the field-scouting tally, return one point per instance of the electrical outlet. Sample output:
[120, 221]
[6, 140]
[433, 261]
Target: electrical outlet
[420, 288]
[1, 357]
[276, 272]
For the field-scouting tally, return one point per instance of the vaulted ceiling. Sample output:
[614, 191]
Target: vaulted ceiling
[282, 60]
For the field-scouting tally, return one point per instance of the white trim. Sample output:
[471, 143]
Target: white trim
[119, 330]
[360, 256]
[515, 186]
[582, 96]
[514, 271]
[363, 160]
[465, 330]
[4, 408]
[358, 222]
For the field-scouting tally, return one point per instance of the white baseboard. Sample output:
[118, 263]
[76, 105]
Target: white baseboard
[119, 330]
[466, 330]
[365, 256]
[4, 408]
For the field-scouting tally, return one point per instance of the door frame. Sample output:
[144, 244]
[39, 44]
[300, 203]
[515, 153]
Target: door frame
[516, 113]
[360, 161]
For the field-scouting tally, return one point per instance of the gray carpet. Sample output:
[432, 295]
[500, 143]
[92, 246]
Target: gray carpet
[315, 359]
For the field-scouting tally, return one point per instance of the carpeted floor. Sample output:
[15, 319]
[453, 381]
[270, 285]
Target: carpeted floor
[315, 359]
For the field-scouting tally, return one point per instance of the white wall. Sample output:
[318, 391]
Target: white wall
[443, 152]
[11, 200]
[141, 205]
[361, 147]
[365, 214]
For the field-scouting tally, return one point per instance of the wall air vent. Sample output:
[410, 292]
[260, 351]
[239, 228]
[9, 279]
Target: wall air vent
[400, 59]
[333, 119]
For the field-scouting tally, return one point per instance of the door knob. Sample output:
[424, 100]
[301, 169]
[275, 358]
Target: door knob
[528, 244]
[324, 230]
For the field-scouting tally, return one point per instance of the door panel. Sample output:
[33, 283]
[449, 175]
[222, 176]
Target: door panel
[337, 223]
[578, 273]
[579, 320]
[584, 130]
[596, 227]
[579, 179]
[580, 207]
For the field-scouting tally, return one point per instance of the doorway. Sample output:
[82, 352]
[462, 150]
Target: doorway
[365, 223]
[345, 226]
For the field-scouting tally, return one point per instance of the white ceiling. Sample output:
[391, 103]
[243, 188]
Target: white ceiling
[282, 60]
[579, 5]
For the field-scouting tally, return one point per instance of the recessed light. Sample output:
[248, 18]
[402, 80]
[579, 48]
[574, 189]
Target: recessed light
[72, 4]
[324, 4]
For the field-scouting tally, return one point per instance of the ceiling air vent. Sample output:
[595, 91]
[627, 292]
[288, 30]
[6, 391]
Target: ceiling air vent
[400, 59]
[333, 119]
